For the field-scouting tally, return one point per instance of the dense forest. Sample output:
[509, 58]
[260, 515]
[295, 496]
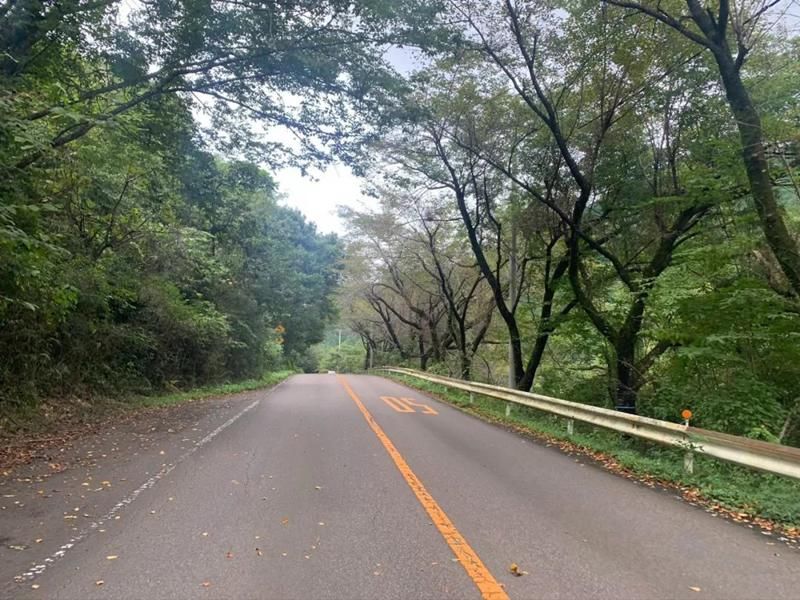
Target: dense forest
[143, 244]
[598, 200]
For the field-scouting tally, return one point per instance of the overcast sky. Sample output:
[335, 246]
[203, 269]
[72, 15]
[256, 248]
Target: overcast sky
[318, 196]
[318, 200]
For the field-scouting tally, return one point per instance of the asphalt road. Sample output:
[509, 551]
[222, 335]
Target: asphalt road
[336, 487]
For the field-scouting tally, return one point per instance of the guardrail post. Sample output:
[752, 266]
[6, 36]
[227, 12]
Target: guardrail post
[772, 458]
[471, 398]
[570, 426]
[688, 462]
[508, 409]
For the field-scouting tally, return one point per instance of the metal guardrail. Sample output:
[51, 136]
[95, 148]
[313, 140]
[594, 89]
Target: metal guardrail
[756, 454]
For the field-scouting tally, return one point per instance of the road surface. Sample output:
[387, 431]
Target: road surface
[333, 486]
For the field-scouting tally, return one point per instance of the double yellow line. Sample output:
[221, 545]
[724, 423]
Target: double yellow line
[489, 588]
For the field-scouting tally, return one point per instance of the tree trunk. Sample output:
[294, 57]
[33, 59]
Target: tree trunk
[547, 325]
[777, 234]
[423, 355]
[367, 357]
[534, 361]
[515, 379]
[627, 388]
[628, 377]
[466, 365]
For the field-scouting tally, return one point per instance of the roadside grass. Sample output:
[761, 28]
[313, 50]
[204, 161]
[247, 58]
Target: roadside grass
[58, 418]
[163, 400]
[739, 493]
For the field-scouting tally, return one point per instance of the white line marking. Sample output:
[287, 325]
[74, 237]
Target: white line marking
[84, 533]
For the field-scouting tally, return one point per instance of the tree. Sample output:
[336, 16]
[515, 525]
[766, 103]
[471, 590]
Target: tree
[729, 35]
[238, 65]
[577, 125]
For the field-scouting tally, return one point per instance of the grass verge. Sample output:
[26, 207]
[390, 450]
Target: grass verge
[31, 429]
[209, 391]
[759, 499]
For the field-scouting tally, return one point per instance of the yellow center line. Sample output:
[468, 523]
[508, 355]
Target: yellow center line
[489, 588]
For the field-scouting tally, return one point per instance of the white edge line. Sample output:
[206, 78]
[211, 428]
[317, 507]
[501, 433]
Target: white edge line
[37, 570]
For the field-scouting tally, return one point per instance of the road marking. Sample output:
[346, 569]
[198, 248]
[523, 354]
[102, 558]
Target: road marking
[489, 588]
[40, 568]
[397, 404]
[426, 410]
[404, 405]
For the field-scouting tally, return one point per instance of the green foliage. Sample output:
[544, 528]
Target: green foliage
[268, 379]
[347, 359]
[588, 131]
[139, 262]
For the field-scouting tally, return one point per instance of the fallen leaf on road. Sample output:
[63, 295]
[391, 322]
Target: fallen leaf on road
[206, 584]
[694, 588]
[229, 555]
[35, 586]
[99, 582]
[258, 552]
[204, 534]
[515, 570]
[112, 557]
[317, 487]
[285, 521]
